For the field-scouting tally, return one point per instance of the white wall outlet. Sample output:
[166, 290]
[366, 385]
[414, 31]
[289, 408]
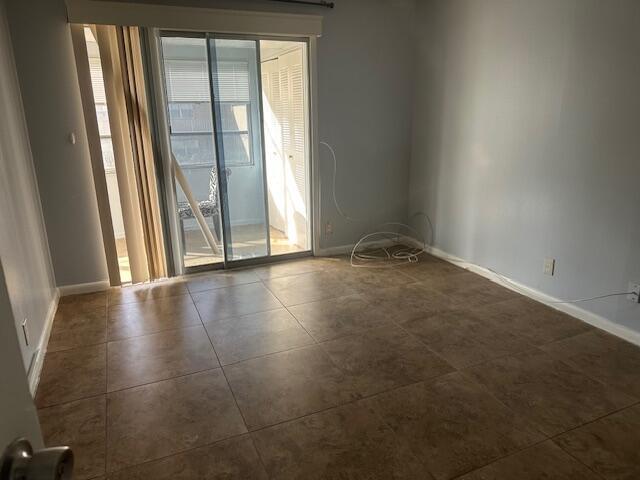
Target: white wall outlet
[328, 228]
[25, 332]
[635, 289]
[549, 266]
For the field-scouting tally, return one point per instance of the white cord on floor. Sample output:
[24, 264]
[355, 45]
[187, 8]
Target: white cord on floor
[406, 255]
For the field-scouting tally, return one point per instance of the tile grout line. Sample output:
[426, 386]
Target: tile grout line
[290, 313]
[235, 400]
[597, 419]
[503, 457]
[553, 438]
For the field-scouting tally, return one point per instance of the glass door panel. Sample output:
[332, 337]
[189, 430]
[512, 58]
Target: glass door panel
[185, 63]
[234, 76]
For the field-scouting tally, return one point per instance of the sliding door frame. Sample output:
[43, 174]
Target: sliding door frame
[226, 221]
[313, 196]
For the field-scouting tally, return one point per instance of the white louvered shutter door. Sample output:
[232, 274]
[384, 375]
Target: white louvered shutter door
[292, 79]
[271, 106]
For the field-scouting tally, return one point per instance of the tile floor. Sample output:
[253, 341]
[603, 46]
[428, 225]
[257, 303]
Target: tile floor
[311, 369]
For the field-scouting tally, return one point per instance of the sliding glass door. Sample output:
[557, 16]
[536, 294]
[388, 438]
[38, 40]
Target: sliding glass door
[238, 118]
[189, 111]
[237, 111]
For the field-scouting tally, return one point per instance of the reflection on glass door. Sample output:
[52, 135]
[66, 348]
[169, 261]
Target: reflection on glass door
[235, 84]
[192, 143]
[238, 114]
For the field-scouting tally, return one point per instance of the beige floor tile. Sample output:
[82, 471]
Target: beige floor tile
[429, 268]
[240, 338]
[78, 329]
[219, 279]
[384, 358]
[152, 316]
[139, 360]
[542, 461]
[453, 425]
[81, 426]
[338, 317]
[404, 303]
[147, 291]
[452, 284]
[366, 279]
[287, 385]
[292, 267]
[537, 323]
[233, 459]
[86, 302]
[603, 357]
[609, 446]
[548, 392]
[348, 442]
[308, 287]
[469, 289]
[72, 374]
[222, 303]
[463, 339]
[168, 417]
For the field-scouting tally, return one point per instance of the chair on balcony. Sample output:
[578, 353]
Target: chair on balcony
[208, 207]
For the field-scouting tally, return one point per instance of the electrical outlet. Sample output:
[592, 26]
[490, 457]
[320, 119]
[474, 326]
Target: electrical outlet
[635, 295]
[549, 266]
[328, 228]
[25, 332]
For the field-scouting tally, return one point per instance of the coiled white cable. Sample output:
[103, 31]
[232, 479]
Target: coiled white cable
[370, 260]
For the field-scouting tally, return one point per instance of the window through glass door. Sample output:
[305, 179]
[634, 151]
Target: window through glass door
[239, 132]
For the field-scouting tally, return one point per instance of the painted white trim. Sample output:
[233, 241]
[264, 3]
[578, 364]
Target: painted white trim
[90, 287]
[193, 18]
[33, 376]
[314, 151]
[568, 308]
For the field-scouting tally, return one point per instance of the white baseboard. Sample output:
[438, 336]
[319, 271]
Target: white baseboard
[78, 288]
[38, 360]
[568, 308]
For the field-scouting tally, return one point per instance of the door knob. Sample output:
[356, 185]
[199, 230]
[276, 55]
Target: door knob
[20, 462]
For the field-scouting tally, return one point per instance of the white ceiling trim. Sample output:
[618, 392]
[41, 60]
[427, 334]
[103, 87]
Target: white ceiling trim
[193, 18]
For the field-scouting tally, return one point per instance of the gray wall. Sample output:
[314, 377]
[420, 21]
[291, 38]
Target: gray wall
[526, 144]
[51, 97]
[365, 59]
[24, 252]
